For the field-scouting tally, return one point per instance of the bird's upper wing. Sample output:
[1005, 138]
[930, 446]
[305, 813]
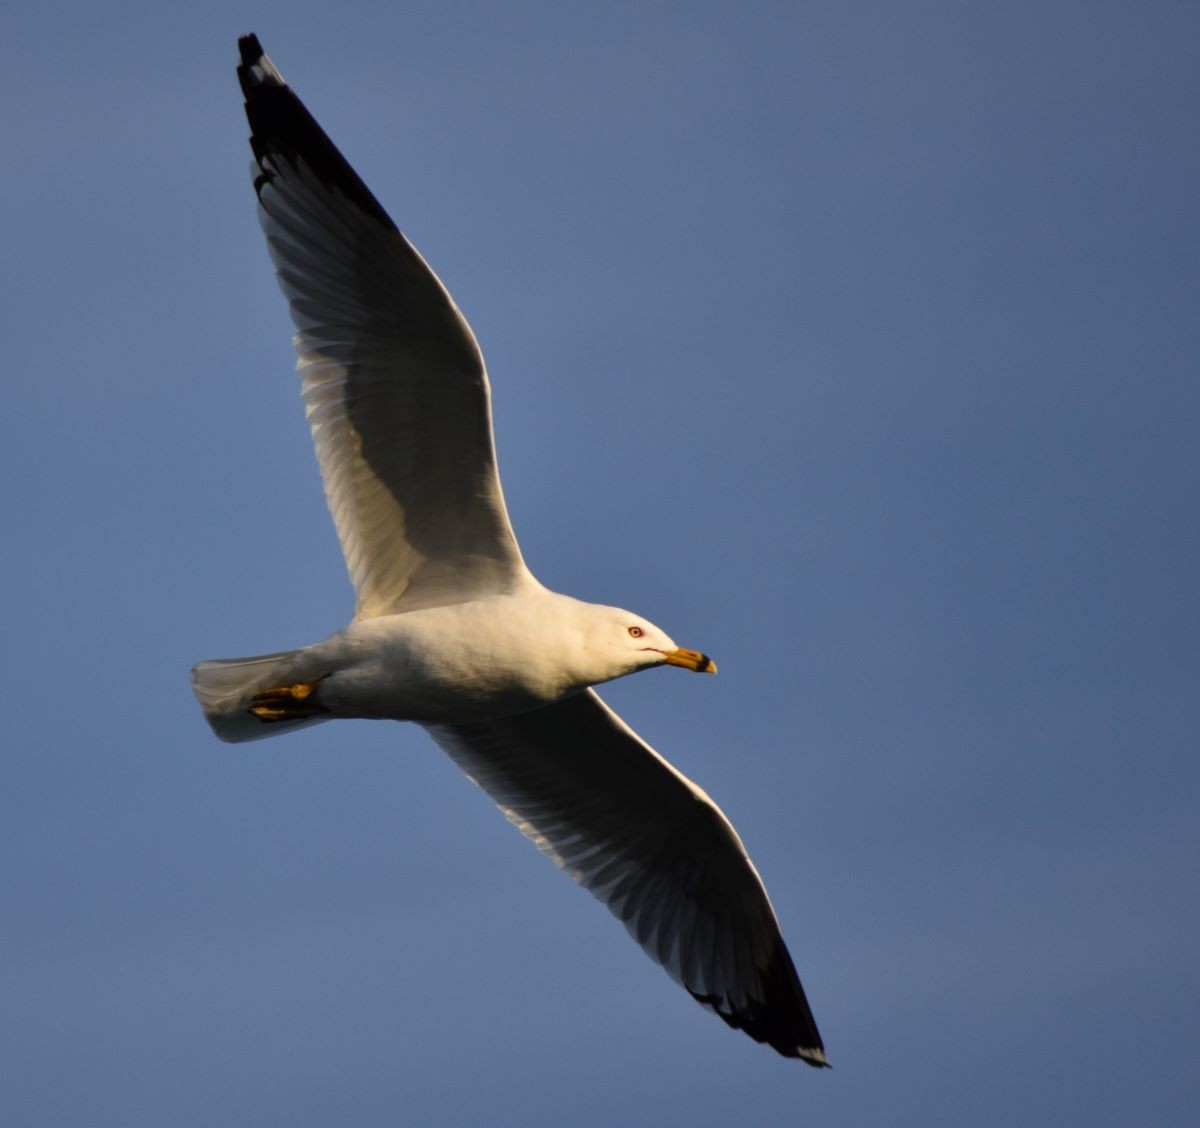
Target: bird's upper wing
[651, 845]
[395, 387]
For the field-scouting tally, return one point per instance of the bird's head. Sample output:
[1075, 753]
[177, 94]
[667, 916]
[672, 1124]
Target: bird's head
[620, 642]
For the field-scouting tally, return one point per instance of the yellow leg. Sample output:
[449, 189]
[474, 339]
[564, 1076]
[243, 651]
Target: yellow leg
[287, 702]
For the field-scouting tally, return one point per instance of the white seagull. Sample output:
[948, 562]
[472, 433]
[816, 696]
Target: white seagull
[452, 631]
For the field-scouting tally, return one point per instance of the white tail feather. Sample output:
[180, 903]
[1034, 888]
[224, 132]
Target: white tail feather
[224, 688]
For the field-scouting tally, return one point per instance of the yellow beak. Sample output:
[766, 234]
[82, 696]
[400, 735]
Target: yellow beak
[691, 660]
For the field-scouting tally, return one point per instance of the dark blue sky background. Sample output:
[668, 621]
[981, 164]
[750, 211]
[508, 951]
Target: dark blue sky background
[857, 344]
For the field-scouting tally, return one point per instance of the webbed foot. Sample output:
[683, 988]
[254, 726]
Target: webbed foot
[288, 702]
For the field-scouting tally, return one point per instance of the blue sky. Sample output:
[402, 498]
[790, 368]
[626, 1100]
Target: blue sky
[854, 343]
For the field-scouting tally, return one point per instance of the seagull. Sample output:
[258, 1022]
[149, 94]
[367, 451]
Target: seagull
[452, 631]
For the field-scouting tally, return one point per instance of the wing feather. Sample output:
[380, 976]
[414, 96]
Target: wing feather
[394, 384]
[652, 846]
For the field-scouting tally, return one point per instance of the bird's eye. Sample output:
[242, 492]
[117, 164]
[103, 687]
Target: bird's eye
[635, 632]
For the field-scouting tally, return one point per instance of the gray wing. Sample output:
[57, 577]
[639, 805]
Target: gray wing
[395, 387]
[651, 845]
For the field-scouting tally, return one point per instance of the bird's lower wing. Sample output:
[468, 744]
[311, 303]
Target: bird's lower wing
[651, 845]
[393, 380]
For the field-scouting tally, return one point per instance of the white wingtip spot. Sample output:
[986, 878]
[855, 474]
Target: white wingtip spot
[266, 73]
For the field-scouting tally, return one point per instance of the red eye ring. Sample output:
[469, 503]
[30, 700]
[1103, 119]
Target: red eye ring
[636, 632]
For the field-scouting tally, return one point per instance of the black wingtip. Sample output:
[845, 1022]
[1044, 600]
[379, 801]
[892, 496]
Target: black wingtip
[250, 48]
[779, 1016]
[282, 130]
[769, 1030]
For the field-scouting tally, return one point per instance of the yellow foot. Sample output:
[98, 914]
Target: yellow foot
[287, 702]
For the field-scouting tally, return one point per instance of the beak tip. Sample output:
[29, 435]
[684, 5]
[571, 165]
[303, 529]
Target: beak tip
[691, 660]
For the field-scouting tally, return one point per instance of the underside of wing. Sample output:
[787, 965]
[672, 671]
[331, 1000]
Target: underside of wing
[651, 845]
[394, 384]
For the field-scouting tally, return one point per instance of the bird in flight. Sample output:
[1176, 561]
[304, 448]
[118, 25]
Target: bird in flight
[452, 630]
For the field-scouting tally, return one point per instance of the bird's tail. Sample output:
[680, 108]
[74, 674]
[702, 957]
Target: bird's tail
[226, 689]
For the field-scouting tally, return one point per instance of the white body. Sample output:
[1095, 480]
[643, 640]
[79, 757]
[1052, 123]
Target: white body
[516, 652]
